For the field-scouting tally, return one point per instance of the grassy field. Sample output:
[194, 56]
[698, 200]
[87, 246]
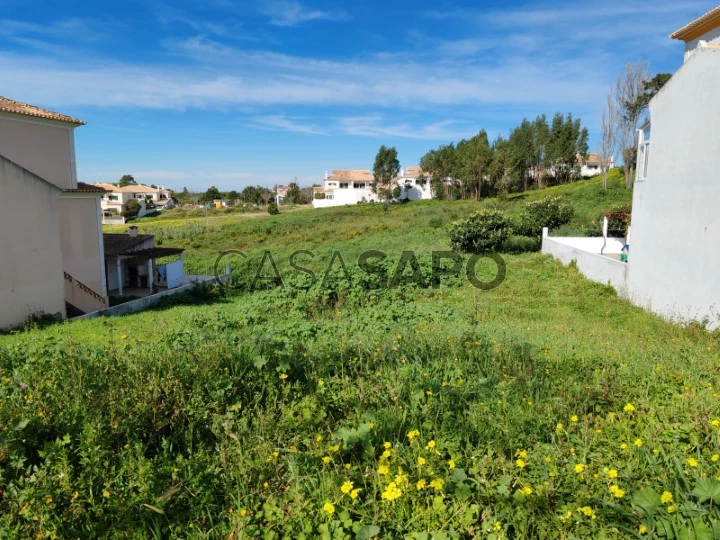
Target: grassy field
[544, 408]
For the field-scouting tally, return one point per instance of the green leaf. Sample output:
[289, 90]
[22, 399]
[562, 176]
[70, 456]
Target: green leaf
[259, 361]
[367, 531]
[648, 500]
[707, 489]
[22, 424]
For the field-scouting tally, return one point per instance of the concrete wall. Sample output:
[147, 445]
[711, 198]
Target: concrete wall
[599, 268]
[675, 245]
[31, 271]
[346, 196]
[81, 234]
[44, 148]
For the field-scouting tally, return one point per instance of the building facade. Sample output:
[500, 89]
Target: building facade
[59, 233]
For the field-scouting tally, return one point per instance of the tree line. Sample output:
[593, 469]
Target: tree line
[536, 153]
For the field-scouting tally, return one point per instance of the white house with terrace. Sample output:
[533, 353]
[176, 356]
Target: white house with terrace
[674, 251]
[353, 186]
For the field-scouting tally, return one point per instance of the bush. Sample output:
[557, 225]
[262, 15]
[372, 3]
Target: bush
[548, 212]
[273, 208]
[619, 219]
[319, 195]
[521, 244]
[486, 230]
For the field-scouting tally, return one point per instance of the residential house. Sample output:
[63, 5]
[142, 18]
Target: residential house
[51, 249]
[281, 193]
[674, 256]
[116, 199]
[344, 186]
[592, 164]
[414, 184]
[132, 264]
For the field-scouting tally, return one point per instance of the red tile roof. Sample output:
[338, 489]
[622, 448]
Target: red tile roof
[82, 187]
[23, 109]
[348, 175]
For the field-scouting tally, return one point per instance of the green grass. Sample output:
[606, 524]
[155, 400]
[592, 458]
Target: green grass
[242, 416]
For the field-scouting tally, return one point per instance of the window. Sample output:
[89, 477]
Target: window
[343, 185]
[112, 197]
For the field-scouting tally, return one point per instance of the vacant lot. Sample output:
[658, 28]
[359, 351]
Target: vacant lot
[545, 407]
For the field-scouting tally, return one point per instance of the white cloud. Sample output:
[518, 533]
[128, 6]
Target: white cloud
[284, 123]
[377, 126]
[293, 13]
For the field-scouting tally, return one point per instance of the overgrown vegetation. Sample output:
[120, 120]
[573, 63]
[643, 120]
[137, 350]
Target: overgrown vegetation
[546, 407]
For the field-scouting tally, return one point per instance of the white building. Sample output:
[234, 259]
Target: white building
[592, 165]
[674, 258]
[414, 184]
[344, 186]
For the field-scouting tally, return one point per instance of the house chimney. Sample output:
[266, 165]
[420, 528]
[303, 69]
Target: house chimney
[326, 175]
[133, 231]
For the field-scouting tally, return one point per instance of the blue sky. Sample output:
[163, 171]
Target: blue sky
[236, 93]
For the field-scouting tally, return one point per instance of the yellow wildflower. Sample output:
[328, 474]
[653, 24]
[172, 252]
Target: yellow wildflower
[574, 418]
[348, 466]
[497, 526]
[283, 376]
[623, 446]
[421, 461]
[587, 511]
[386, 454]
[616, 491]
[559, 427]
[354, 493]
[666, 497]
[420, 484]
[580, 467]
[243, 512]
[371, 425]
[318, 438]
[266, 485]
[334, 448]
[329, 508]
[611, 473]
[327, 459]
[629, 407]
[521, 453]
[321, 383]
[387, 445]
[437, 484]
[715, 423]
[714, 457]
[412, 434]
[451, 464]
[383, 470]
[429, 392]
[638, 442]
[671, 508]
[48, 500]
[643, 529]
[391, 492]
[692, 462]
[124, 336]
[520, 463]
[527, 490]
[106, 494]
[548, 459]
[347, 487]
[430, 445]
[275, 454]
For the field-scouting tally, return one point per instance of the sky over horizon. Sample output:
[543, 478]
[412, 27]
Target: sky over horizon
[242, 93]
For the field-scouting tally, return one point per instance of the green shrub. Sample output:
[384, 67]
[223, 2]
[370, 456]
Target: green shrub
[486, 230]
[319, 195]
[549, 212]
[273, 208]
[521, 244]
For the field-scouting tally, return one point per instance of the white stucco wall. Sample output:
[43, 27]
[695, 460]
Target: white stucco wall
[81, 237]
[346, 196]
[44, 148]
[713, 36]
[596, 267]
[31, 271]
[675, 245]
